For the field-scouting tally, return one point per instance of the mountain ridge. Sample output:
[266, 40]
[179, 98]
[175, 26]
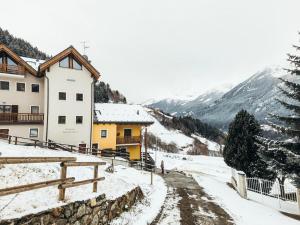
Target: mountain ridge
[256, 94]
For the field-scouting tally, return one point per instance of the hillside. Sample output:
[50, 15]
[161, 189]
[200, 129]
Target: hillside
[256, 94]
[170, 135]
[20, 46]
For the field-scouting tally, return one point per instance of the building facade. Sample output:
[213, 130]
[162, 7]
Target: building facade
[47, 100]
[118, 127]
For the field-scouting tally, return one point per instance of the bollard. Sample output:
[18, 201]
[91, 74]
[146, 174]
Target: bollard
[298, 198]
[241, 184]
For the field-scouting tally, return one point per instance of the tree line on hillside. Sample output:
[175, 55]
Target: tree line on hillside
[248, 150]
[189, 125]
[20, 46]
[104, 94]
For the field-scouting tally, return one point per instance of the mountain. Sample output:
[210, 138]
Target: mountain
[256, 94]
[185, 107]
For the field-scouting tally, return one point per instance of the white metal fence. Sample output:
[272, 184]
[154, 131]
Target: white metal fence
[273, 194]
[285, 198]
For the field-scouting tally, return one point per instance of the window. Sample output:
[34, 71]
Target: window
[127, 132]
[76, 65]
[62, 96]
[35, 88]
[69, 62]
[34, 132]
[4, 85]
[10, 62]
[61, 119]
[79, 97]
[20, 86]
[5, 108]
[64, 62]
[35, 109]
[79, 119]
[103, 133]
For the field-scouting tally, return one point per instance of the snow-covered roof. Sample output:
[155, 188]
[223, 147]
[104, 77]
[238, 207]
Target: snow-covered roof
[121, 113]
[34, 63]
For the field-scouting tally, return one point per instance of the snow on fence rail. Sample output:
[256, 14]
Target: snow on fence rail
[285, 197]
[64, 181]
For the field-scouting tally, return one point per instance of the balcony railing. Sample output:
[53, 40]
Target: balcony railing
[15, 118]
[128, 140]
[12, 69]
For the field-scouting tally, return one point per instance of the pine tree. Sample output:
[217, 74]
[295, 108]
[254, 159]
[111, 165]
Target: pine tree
[241, 149]
[284, 157]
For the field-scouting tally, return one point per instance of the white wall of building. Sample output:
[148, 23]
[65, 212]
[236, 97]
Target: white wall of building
[23, 99]
[23, 130]
[70, 81]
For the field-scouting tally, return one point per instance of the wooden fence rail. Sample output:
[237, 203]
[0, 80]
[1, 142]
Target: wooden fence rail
[64, 181]
[19, 160]
[29, 187]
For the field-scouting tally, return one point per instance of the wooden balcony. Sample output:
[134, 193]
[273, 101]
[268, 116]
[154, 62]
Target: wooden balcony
[19, 70]
[128, 140]
[21, 118]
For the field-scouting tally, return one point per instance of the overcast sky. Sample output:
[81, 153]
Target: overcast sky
[162, 48]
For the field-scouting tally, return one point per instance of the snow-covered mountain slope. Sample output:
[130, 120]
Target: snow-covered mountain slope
[256, 94]
[183, 105]
[183, 142]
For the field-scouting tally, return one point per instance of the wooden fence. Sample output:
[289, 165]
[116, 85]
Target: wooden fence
[63, 183]
[49, 144]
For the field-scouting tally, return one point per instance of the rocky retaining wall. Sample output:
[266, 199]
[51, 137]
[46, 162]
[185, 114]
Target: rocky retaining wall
[89, 212]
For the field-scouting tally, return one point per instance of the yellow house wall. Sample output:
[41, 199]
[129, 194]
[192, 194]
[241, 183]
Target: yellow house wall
[134, 152]
[136, 130]
[110, 140]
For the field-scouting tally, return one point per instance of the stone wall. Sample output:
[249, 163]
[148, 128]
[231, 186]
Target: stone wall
[89, 212]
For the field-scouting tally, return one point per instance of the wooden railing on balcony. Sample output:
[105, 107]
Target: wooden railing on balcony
[12, 69]
[11, 118]
[128, 140]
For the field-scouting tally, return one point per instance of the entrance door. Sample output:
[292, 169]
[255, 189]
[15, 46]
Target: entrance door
[82, 148]
[15, 111]
[127, 132]
[4, 133]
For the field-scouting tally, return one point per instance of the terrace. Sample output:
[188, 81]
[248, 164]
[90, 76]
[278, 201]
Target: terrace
[21, 118]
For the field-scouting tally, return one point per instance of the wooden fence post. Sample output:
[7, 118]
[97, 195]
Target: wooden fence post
[95, 184]
[112, 165]
[151, 177]
[63, 175]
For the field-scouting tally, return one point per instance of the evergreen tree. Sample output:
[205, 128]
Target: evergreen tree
[241, 149]
[284, 157]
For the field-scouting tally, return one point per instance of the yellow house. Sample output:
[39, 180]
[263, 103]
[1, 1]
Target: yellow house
[118, 127]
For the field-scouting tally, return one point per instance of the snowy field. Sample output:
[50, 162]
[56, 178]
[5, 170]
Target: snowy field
[212, 174]
[116, 184]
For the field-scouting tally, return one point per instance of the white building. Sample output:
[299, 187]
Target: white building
[47, 100]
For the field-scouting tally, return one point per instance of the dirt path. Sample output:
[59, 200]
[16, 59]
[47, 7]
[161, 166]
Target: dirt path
[187, 204]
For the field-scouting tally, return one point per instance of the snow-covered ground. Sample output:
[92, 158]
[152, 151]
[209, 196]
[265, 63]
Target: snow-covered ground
[116, 184]
[212, 174]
